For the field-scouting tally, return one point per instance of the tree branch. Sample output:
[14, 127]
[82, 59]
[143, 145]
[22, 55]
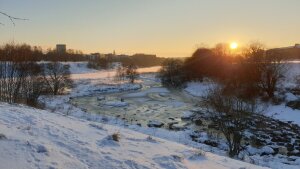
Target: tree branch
[11, 18]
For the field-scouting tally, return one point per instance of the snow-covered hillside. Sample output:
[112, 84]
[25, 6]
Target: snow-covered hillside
[32, 138]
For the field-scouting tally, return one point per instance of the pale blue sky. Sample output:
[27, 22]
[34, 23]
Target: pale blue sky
[163, 27]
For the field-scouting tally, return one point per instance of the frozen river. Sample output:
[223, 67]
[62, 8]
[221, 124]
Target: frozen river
[151, 103]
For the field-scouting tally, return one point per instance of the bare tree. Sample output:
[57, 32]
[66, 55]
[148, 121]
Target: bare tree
[272, 70]
[20, 79]
[171, 74]
[10, 81]
[10, 74]
[11, 18]
[120, 74]
[57, 77]
[230, 114]
[263, 70]
[33, 83]
[221, 49]
[131, 73]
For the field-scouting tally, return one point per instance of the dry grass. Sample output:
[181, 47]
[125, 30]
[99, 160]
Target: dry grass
[116, 136]
[2, 136]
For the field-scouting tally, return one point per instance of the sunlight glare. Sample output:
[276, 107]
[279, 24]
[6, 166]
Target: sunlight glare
[233, 45]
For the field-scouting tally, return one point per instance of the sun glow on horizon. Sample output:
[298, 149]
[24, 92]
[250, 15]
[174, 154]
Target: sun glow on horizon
[234, 45]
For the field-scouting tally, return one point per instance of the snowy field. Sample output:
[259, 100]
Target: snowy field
[32, 138]
[80, 137]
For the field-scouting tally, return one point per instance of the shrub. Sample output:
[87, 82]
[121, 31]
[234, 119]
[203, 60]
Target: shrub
[120, 74]
[263, 70]
[231, 115]
[2, 136]
[98, 63]
[130, 72]
[205, 62]
[20, 82]
[57, 77]
[116, 137]
[171, 74]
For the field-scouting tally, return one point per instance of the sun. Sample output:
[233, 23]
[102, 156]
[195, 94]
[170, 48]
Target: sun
[234, 45]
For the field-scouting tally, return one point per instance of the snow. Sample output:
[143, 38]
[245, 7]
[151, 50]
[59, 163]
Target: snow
[85, 73]
[291, 97]
[79, 67]
[98, 82]
[155, 123]
[41, 139]
[265, 149]
[283, 113]
[116, 104]
[160, 90]
[187, 115]
[199, 89]
[293, 71]
[100, 98]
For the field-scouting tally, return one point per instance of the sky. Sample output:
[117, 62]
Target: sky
[167, 28]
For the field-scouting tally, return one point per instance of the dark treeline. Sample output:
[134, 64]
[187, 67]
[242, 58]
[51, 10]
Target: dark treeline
[289, 53]
[140, 60]
[26, 52]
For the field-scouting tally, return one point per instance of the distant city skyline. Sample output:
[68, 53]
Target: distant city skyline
[162, 27]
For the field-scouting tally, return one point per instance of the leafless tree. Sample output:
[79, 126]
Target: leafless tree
[263, 70]
[120, 74]
[57, 77]
[221, 49]
[20, 79]
[231, 115]
[271, 72]
[131, 73]
[33, 83]
[10, 81]
[171, 74]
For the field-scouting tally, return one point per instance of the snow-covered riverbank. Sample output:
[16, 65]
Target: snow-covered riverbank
[102, 81]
